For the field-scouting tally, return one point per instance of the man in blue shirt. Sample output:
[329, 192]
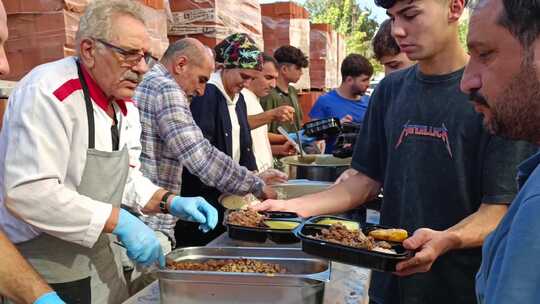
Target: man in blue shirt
[348, 102]
[503, 78]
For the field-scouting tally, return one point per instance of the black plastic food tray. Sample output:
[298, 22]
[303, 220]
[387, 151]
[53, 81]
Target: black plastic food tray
[351, 127]
[260, 235]
[322, 128]
[379, 261]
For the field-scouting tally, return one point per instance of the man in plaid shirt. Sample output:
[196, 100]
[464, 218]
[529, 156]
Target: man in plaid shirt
[172, 140]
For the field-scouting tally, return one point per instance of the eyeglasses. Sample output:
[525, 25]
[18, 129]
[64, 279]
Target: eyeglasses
[130, 57]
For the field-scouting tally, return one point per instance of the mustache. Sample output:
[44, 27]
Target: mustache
[132, 76]
[478, 98]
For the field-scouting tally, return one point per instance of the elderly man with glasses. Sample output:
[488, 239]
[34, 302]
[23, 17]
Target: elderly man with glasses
[69, 152]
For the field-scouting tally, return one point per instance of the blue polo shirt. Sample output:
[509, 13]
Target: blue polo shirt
[510, 270]
[332, 104]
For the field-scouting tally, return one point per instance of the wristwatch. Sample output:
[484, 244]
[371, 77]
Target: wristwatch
[163, 203]
[259, 188]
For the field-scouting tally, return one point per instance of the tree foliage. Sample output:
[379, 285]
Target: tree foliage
[463, 30]
[349, 19]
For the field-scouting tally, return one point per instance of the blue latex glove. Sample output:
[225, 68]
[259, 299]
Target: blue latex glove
[195, 209]
[305, 139]
[49, 298]
[140, 241]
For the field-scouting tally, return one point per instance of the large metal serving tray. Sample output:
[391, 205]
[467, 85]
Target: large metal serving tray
[303, 282]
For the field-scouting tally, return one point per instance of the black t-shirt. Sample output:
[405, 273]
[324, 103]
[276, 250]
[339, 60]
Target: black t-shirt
[425, 143]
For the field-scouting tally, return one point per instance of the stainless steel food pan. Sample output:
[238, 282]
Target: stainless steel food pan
[303, 282]
[326, 168]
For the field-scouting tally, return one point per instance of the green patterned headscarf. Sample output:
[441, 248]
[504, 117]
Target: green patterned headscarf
[239, 51]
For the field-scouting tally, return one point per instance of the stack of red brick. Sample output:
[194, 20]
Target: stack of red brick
[341, 54]
[323, 56]
[44, 30]
[307, 101]
[211, 21]
[286, 23]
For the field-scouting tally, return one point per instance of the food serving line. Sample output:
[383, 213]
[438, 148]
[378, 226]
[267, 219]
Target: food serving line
[347, 284]
[308, 278]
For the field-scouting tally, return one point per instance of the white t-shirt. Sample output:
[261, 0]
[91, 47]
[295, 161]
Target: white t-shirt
[216, 80]
[261, 143]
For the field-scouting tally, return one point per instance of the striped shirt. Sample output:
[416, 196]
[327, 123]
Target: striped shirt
[172, 140]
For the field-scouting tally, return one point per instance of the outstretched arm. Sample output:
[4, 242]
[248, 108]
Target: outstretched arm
[18, 280]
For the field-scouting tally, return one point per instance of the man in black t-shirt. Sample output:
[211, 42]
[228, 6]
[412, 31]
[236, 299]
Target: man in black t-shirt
[444, 176]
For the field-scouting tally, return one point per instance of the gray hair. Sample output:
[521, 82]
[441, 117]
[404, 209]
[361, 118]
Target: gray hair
[97, 20]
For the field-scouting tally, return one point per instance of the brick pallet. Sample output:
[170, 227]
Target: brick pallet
[213, 20]
[307, 100]
[44, 31]
[19, 6]
[341, 54]
[323, 56]
[286, 23]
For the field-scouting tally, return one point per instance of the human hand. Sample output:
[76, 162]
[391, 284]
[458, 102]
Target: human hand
[49, 298]
[346, 118]
[273, 176]
[305, 139]
[285, 149]
[140, 241]
[277, 205]
[430, 245]
[346, 175]
[268, 193]
[195, 209]
[283, 114]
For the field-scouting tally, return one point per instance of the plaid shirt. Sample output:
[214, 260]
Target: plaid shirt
[172, 140]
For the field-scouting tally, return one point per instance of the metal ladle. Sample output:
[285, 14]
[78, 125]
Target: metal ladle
[298, 145]
[303, 159]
